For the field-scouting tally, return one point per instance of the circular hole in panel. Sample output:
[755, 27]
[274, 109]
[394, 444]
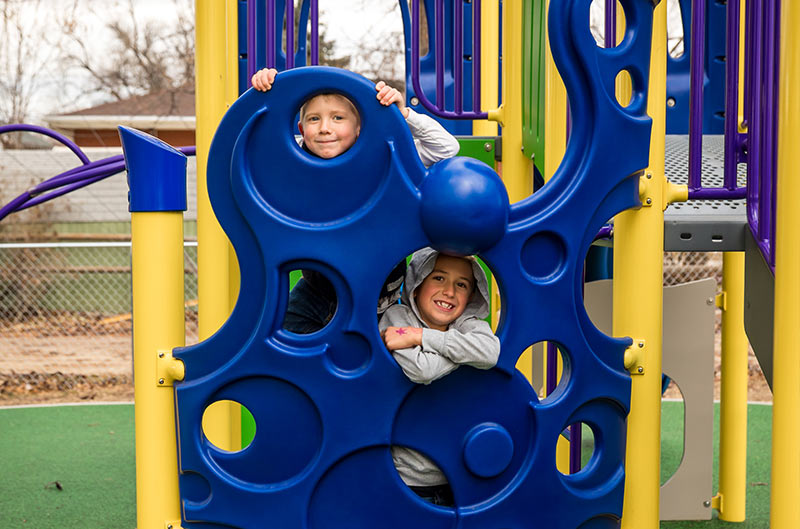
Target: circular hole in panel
[311, 304]
[444, 289]
[543, 256]
[575, 448]
[550, 370]
[329, 126]
[672, 430]
[597, 24]
[413, 466]
[624, 88]
[220, 438]
[675, 44]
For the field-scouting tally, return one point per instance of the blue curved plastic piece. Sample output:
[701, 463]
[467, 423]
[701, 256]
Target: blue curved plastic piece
[678, 86]
[329, 405]
[156, 172]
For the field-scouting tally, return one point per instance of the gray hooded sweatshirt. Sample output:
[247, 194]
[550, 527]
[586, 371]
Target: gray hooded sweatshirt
[468, 340]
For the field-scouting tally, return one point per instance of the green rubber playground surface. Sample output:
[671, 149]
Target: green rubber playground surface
[72, 467]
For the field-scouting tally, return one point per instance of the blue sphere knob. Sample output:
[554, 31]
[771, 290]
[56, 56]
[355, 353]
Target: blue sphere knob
[464, 206]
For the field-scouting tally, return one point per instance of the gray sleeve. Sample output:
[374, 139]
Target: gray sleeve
[419, 365]
[433, 142]
[473, 343]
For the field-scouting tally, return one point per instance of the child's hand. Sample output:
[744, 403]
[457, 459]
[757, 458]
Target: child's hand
[402, 337]
[388, 96]
[262, 80]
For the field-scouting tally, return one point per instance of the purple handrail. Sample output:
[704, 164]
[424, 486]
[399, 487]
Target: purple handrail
[251, 41]
[23, 127]
[69, 180]
[438, 109]
[271, 54]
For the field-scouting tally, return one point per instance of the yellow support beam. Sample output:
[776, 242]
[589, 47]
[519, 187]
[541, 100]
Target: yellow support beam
[785, 481]
[215, 91]
[490, 51]
[638, 305]
[733, 394]
[157, 284]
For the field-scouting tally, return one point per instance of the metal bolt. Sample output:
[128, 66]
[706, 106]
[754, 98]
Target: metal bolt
[641, 344]
[169, 526]
[161, 355]
[487, 146]
[414, 101]
[649, 176]
[706, 503]
[671, 102]
[710, 301]
[640, 369]
[649, 200]
[160, 380]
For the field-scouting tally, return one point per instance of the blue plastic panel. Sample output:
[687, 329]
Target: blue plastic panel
[328, 406]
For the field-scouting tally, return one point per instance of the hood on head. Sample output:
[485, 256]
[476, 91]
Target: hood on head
[421, 265]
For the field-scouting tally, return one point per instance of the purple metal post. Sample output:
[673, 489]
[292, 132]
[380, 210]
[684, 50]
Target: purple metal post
[458, 54]
[552, 368]
[289, 34]
[314, 32]
[251, 41]
[697, 75]
[770, 155]
[733, 140]
[575, 449]
[476, 55]
[440, 65]
[270, 34]
[610, 26]
[753, 111]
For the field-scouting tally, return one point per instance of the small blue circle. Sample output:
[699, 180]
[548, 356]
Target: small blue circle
[488, 449]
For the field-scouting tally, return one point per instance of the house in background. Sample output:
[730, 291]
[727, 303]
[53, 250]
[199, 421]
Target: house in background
[168, 115]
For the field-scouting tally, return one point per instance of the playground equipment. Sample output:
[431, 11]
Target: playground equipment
[753, 134]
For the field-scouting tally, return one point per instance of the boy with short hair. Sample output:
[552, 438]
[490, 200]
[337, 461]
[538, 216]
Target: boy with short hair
[439, 326]
[330, 125]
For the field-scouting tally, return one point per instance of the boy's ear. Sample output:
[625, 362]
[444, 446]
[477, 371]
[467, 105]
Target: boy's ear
[300, 126]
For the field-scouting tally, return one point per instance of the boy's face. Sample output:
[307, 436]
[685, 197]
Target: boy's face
[442, 296]
[329, 125]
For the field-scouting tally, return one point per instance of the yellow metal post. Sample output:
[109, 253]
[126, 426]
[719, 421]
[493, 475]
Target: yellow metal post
[490, 52]
[216, 30]
[157, 283]
[733, 398]
[637, 305]
[785, 482]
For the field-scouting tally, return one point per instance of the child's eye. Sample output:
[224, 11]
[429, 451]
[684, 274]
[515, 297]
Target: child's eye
[462, 285]
[313, 118]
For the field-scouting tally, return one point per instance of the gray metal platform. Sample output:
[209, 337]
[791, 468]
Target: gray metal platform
[702, 225]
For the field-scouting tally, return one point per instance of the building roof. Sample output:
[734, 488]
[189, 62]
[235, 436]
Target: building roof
[165, 110]
[161, 103]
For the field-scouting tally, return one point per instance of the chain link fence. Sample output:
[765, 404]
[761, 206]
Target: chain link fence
[65, 320]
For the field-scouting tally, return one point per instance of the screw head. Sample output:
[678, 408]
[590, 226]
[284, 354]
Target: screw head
[487, 146]
[649, 176]
[640, 369]
[671, 102]
[710, 301]
[641, 344]
[161, 355]
[706, 503]
[414, 101]
[160, 380]
[649, 201]
[169, 526]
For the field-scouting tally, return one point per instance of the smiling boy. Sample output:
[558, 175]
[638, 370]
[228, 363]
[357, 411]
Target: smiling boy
[439, 326]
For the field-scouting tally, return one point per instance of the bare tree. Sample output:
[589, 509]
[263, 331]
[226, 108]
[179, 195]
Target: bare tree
[29, 46]
[141, 56]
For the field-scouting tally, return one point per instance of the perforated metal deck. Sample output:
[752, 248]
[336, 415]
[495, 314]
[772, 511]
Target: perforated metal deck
[702, 225]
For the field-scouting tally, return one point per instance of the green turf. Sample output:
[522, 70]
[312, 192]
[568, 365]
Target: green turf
[89, 451]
